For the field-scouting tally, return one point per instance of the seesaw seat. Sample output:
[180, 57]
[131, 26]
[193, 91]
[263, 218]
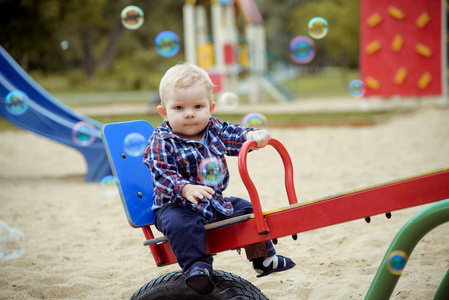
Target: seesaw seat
[136, 192]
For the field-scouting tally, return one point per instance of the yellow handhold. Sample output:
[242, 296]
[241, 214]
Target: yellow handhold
[372, 47]
[373, 20]
[372, 83]
[205, 55]
[395, 12]
[424, 81]
[400, 76]
[397, 43]
[423, 50]
[422, 20]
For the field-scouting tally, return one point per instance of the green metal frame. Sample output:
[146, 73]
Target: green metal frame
[402, 246]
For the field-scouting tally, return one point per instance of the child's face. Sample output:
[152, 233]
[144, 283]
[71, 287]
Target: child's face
[188, 111]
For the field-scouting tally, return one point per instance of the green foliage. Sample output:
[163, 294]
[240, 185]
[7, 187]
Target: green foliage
[340, 46]
[104, 55]
[32, 32]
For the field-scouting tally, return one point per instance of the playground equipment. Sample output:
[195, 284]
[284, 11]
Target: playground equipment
[135, 188]
[48, 117]
[411, 40]
[220, 57]
[402, 246]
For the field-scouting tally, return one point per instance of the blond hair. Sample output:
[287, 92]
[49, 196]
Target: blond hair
[182, 76]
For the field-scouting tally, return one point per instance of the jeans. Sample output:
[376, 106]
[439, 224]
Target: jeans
[184, 229]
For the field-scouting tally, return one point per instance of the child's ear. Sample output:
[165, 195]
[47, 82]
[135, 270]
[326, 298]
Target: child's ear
[212, 107]
[162, 111]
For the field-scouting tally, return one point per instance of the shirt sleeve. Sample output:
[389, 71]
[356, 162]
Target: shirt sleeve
[233, 136]
[167, 180]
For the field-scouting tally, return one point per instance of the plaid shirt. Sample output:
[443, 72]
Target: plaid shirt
[174, 162]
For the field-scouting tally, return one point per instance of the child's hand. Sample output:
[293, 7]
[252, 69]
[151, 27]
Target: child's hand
[191, 192]
[260, 136]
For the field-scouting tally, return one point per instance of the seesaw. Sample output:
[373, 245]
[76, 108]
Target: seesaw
[251, 231]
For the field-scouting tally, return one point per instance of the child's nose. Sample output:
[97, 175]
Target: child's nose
[189, 114]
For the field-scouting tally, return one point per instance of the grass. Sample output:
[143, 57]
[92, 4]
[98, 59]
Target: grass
[326, 84]
[329, 83]
[274, 120]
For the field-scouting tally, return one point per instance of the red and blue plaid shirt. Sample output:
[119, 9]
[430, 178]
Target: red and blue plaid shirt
[174, 162]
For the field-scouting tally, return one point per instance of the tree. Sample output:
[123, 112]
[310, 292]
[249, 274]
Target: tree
[94, 37]
[341, 44]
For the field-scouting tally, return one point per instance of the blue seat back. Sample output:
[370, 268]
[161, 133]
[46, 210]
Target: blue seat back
[134, 178]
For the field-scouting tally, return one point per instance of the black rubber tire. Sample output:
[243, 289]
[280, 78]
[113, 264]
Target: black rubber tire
[172, 286]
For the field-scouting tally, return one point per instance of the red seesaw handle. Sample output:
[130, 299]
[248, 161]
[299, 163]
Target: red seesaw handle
[262, 227]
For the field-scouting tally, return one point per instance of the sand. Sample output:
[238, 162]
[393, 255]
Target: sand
[80, 246]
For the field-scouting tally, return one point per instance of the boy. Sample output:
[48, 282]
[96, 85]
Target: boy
[182, 204]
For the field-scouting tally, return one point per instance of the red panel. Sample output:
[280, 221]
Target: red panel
[217, 80]
[229, 54]
[390, 32]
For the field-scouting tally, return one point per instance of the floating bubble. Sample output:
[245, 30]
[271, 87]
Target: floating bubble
[12, 242]
[212, 171]
[228, 100]
[255, 120]
[16, 102]
[302, 49]
[225, 2]
[83, 133]
[4, 232]
[397, 261]
[109, 185]
[317, 27]
[134, 144]
[64, 45]
[167, 43]
[357, 88]
[132, 17]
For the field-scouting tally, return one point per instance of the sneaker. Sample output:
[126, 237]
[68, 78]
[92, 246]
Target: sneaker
[275, 263]
[198, 277]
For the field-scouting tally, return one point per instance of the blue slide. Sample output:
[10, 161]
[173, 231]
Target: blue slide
[43, 114]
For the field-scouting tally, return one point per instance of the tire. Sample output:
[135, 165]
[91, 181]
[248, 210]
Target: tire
[172, 286]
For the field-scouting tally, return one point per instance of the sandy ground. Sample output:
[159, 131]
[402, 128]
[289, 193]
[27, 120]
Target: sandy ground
[80, 246]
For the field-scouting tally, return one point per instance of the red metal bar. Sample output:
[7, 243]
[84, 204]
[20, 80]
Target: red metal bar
[338, 209]
[288, 167]
[157, 255]
[422, 189]
[262, 227]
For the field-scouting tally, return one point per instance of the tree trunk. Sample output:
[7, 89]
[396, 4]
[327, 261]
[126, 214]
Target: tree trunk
[88, 49]
[110, 49]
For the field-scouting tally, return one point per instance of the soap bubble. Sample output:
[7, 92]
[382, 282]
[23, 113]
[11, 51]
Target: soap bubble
[255, 120]
[317, 27]
[228, 100]
[302, 49]
[397, 261]
[64, 45]
[16, 102]
[167, 43]
[132, 17]
[134, 144]
[12, 242]
[212, 171]
[357, 88]
[109, 185]
[83, 133]
[4, 232]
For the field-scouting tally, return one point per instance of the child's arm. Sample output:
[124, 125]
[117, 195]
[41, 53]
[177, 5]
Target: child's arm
[191, 192]
[262, 137]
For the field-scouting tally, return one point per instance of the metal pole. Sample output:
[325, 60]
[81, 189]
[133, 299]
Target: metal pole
[402, 246]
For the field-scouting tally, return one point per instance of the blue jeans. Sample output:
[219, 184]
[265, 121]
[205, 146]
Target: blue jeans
[184, 229]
